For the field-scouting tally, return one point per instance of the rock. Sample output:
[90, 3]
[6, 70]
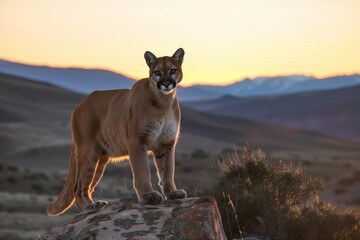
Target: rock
[252, 238]
[191, 218]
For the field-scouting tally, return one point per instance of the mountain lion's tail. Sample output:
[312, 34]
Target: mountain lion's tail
[66, 197]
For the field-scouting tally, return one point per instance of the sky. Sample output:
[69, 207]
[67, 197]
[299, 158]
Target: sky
[224, 40]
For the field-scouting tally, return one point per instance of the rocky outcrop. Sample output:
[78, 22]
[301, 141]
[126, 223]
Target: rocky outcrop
[191, 218]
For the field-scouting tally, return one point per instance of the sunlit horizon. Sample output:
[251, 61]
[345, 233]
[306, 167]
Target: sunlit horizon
[224, 41]
[182, 84]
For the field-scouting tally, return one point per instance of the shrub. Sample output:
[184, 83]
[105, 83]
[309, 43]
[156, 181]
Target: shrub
[260, 195]
[199, 153]
[37, 188]
[13, 168]
[339, 191]
[187, 169]
[347, 181]
[324, 221]
[11, 180]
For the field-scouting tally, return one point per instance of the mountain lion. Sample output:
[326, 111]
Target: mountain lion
[126, 123]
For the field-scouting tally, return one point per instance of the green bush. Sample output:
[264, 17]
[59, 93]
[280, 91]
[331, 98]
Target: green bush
[259, 195]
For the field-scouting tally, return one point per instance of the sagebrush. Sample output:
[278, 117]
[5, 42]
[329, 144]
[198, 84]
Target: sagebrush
[260, 195]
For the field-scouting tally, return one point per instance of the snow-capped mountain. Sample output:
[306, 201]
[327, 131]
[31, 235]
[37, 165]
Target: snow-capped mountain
[282, 85]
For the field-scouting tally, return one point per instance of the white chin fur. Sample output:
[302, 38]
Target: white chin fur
[167, 90]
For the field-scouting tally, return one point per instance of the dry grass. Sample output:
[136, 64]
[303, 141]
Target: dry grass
[259, 195]
[256, 194]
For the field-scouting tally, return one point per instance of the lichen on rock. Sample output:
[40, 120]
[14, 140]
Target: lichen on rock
[191, 218]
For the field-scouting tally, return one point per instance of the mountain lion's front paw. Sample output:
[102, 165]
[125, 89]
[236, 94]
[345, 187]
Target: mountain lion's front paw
[152, 198]
[177, 194]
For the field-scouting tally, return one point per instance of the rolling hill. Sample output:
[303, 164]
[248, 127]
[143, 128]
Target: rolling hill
[88, 80]
[240, 131]
[35, 132]
[26, 100]
[75, 79]
[335, 112]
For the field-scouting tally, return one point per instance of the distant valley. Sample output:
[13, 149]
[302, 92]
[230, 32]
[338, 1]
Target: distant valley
[335, 112]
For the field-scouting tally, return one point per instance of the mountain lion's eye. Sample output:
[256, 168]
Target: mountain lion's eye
[157, 73]
[173, 71]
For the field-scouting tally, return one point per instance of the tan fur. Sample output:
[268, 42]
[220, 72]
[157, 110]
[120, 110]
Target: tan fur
[120, 123]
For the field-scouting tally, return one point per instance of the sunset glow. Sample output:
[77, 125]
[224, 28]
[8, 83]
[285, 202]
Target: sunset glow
[224, 41]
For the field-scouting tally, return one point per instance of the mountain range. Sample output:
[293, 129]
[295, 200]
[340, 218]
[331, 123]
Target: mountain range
[281, 85]
[88, 80]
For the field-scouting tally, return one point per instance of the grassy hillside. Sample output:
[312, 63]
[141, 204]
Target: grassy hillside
[242, 131]
[334, 112]
[25, 100]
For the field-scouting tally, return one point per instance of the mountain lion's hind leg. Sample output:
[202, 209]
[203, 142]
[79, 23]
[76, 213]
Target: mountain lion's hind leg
[85, 172]
[100, 168]
[165, 165]
[99, 171]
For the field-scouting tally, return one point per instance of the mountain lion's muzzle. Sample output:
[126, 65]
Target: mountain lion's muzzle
[166, 85]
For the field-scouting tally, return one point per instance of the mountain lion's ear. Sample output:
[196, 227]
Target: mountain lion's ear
[179, 55]
[149, 57]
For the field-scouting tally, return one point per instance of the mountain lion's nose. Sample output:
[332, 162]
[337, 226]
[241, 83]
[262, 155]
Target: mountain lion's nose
[166, 84]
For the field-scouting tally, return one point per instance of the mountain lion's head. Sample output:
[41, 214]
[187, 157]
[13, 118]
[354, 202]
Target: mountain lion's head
[165, 72]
